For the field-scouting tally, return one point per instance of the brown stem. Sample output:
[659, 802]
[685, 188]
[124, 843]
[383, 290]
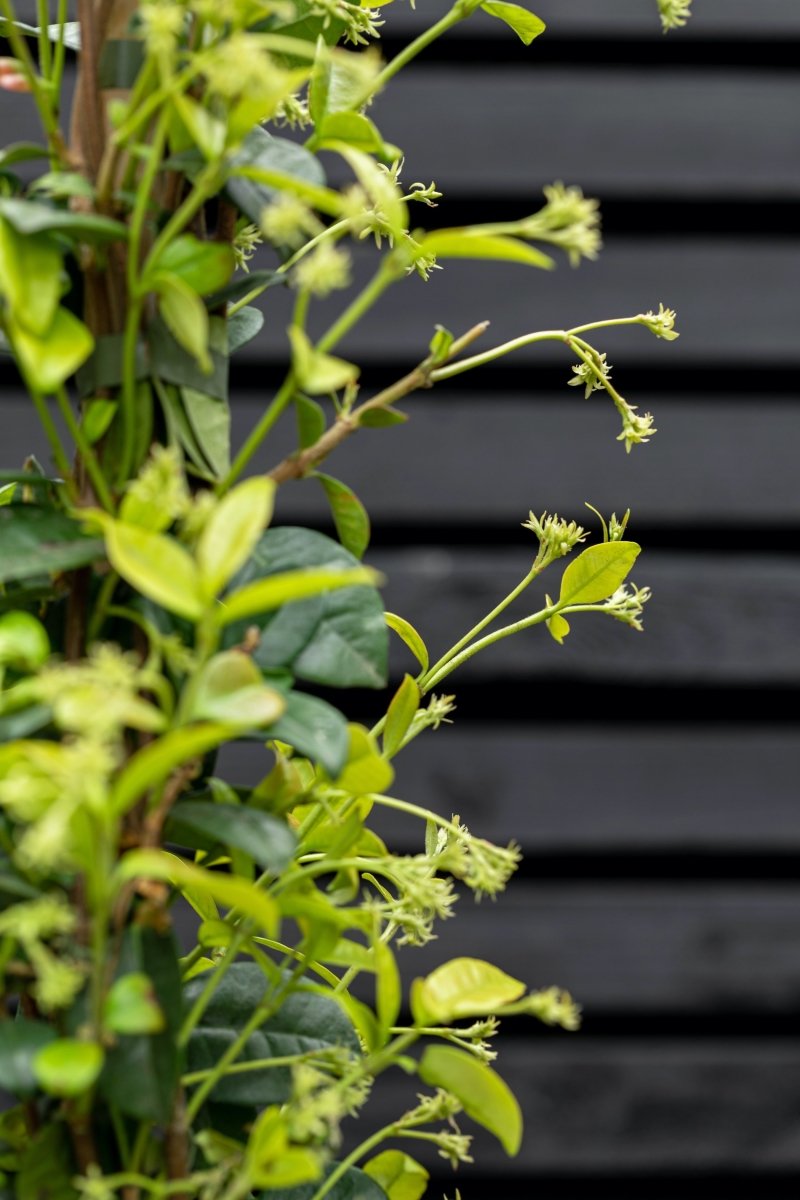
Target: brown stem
[80, 1130]
[176, 1144]
[297, 466]
[77, 610]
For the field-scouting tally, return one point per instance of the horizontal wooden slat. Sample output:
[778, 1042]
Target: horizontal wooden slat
[687, 133]
[558, 789]
[725, 18]
[734, 302]
[642, 1106]
[488, 460]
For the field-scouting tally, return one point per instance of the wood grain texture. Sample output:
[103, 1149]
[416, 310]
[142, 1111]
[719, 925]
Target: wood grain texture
[605, 789]
[615, 1105]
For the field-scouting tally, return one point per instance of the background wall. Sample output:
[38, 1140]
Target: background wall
[650, 779]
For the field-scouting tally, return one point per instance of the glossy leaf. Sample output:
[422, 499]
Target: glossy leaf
[365, 770]
[337, 638]
[408, 634]
[131, 1006]
[597, 572]
[463, 987]
[314, 729]
[483, 1094]
[349, 515]
[204, 266]
[202, 824]
[141, 1071]
[232, 531]
[49, 359]
[525, 24]
[398, 1175]
[41, 541]
[399, 716]
[229, 890]
[157, 566]
[152, 765]
[20, 1042]
[68, 1067]
[32, 216]
[304, 1021]
[261, 149]
[462, 243]
[185, 316]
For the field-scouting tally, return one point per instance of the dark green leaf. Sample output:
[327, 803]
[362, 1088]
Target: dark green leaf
[120, 63]
[36, 541]
[314, 729]
[201, 824]
[33, 216]
[243, 285]
[23, 723]
[243, 326]
[338, 638]
[210, 421]
[382, 418]
[349, 515]
[261, 149]
[170, 362]
[141, 1072]
[12, 886]
[310, 421]
[185, 316]
[22, 152]
[20, 1042]
[305, 1021]
[353, 1185]
[47, 1167]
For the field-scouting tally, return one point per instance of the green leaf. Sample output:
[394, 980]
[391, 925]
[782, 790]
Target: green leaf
[12, 885]
[152, 765]
[229, 890]
[597, 572]
[310, 421]
[121, 60]
[47, 1167]
[365, 770]
[157, 566]
[230, 687]
[384, 417]
[173, 364]
[314, 729]
[381, 189]
[30, 278]
[318, 374]
[232, 531]
[304, 1021]
[20, 1042]
[352, 128]
[206, 131]
[338, 638]
[48, 360]
[463, 987]
[205, 267]
[558, 628]
[462, 243]
[243, 326]
[131, 1006]
[97, 417]
[483, 1094]
[401, 712]
[17, 152]
[33, 216]
[41, 541]
[68, 1067]
[185, 316]
[353, 1185]
[202, 825]
[349, 515]
[210, 422]
[408, 634]
[24, 644]
[400, 1176]
[265, 595]
[270, 1161]
[524, 23]
[261, 149]
[141, 1071]
[388, 988]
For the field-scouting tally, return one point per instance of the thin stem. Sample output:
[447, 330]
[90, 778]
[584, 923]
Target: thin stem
[362, 303]
[102, 605]
[86, 450]
[207, 184]
[253, 1064]
[128, 394]
[60, 457]
[507, 630]
[457, 13]
[45, 57]
[257, 435]
[479, 360]
[59, 57]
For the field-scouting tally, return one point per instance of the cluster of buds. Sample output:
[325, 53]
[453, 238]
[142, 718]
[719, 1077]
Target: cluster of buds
[568, 220]
[674, 13]
[556, 536]
[662, 323]
[360, 24]
[627, 603]
[12, 76]
[591, 375]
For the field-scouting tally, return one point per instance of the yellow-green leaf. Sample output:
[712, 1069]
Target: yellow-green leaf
[402, 709]
[463, 987]
[153, 764]
[185, 316]
[398, 1175]
[349, 515]
[48, 360]
[365, 771]
[558, 628]
[597, 572]
[68, 1067]
[232, 531]
[157, 566]
[30, 278]
[463, 243]
[408, 634]
[273, 591]
[525, 24]
[388, 988]
[317, 373]
[483, 1094]
[231, 688]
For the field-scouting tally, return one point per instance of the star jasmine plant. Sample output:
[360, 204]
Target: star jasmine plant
[152, 614]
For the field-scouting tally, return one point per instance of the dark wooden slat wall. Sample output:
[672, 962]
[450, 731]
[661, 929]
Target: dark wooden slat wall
[651, 780]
